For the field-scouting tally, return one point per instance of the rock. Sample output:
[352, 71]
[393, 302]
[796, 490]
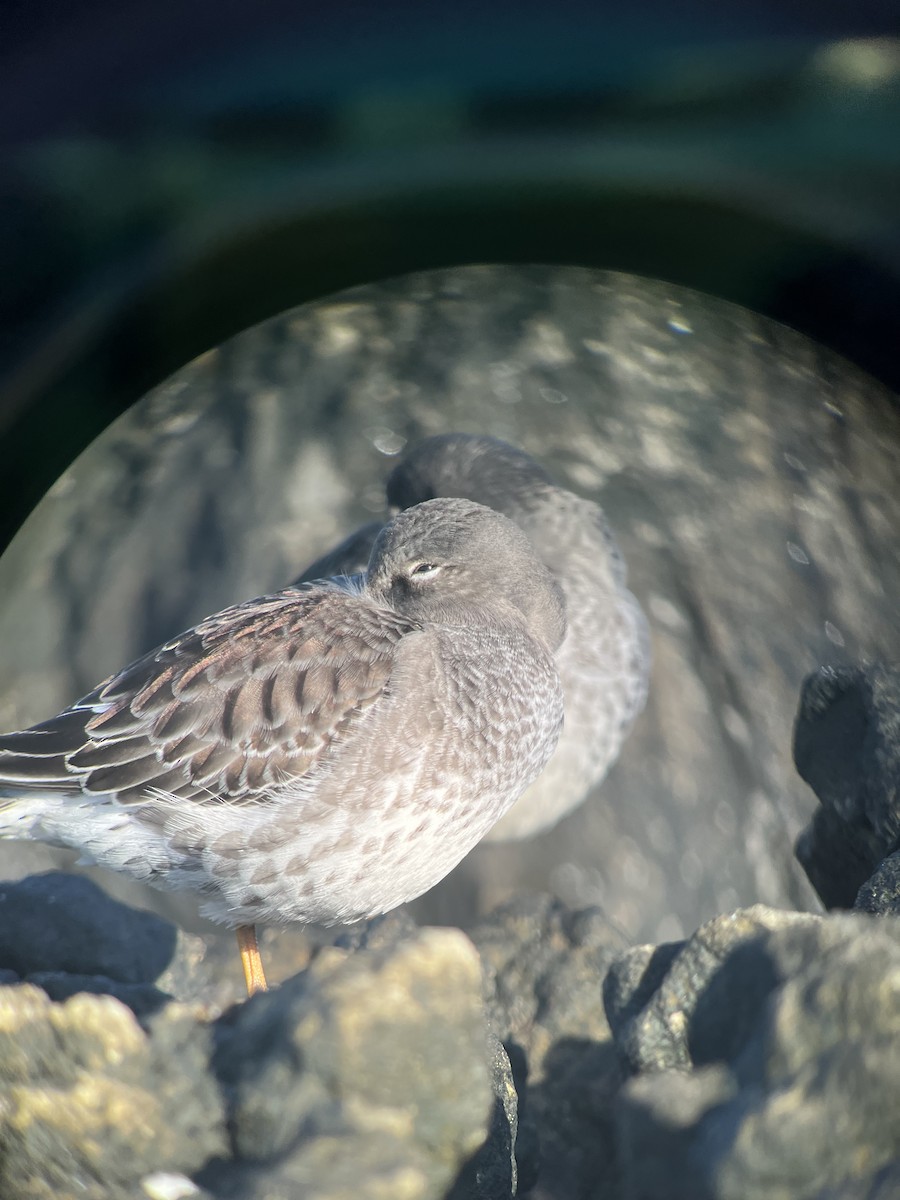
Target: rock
[381, 933]
[880, 895]
[756, 1060]
[847, 748]
[64, 934]
[142, 998]
[366, 1075]
[885, 1185]
[170, 1185]
[656, 1124]
[61, 922]
[544, 966]
[492, 1172]
[630, 997]
[90, 1104]
[780, 1060]
[206, 970]
[372, 1073]
[673, 1006]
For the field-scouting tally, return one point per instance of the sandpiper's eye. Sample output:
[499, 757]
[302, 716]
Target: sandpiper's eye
[425, 568]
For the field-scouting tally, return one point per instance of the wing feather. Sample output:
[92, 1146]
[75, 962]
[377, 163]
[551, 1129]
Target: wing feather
[248, 699]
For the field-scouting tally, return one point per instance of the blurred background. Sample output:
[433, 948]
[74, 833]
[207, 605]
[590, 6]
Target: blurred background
[171, 173]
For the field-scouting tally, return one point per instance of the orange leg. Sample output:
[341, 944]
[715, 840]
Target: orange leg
[254, 974]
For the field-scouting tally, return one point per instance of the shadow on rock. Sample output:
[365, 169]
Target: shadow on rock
[847, 748]
[65, 935]
[573, 1106]
[765, 1063]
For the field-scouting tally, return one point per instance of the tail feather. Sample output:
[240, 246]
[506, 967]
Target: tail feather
[60, 735]
[28, 761]
[37, 757]
[20, 771]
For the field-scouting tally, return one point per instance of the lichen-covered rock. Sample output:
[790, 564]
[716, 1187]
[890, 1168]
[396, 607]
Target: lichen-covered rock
[90, 1103]
[373, 1073]
[847, 748]
[366, 1076]
[787, 1056]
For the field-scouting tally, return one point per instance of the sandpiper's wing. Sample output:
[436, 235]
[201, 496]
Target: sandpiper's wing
[248, 699]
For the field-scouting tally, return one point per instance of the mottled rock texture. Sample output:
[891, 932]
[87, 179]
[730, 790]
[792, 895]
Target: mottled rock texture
[880, 894]
[375, 1060]
[544, 966]
[757, 1058]
[90, 1103]
[373, 1073]
[766, 1058]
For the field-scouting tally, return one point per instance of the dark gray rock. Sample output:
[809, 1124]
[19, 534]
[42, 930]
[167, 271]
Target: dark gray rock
[630, 988]
[573, 1103]
[544, 969]
[60, 922]
[492, 1171]
[847, 748]
[657, 1121]
[544, 966]
[91, 1104]
[884, 1186]
[206, 969]
[781, 1094]
[142, 998]
[675, 1007]
[63, 933]
[381, 933]
[880, 895]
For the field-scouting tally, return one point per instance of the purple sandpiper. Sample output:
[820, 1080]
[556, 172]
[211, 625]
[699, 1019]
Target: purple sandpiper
[604, 660]
[322, 754]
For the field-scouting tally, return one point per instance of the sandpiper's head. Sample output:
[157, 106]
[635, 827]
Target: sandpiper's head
[451, 556]
[467, 465]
